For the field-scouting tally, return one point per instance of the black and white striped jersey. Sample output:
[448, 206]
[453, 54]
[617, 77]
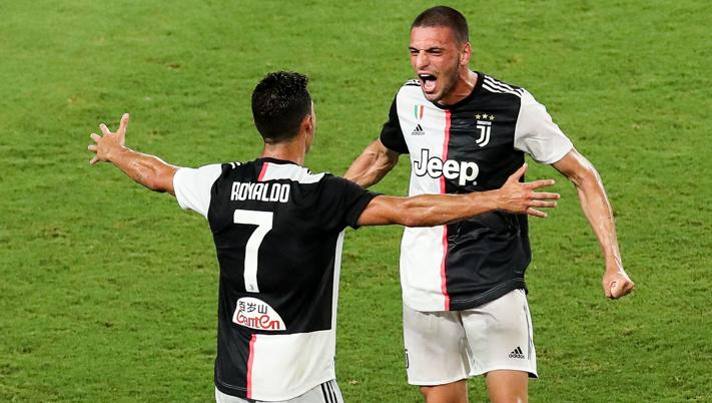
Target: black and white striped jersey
[473, 145]
[278, 232]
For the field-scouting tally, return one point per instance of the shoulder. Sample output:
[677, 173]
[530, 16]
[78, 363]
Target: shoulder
[233, 164]
[411, 91]
[495, 86]
[227, 167]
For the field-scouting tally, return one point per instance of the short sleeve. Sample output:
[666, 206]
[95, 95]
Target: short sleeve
[192, 187]
[391, 133]
[341, 202]
[536, 133]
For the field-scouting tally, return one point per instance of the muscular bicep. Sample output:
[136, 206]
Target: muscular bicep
[575, 167]
[165, 178]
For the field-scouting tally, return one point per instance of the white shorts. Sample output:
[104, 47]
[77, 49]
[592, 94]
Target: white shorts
[327, 392]
[444, 347]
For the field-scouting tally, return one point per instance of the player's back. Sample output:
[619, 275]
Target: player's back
[278, 231]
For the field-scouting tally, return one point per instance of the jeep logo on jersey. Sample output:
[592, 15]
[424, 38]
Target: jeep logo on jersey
[256, 314]
[465, 172]
[483, 123]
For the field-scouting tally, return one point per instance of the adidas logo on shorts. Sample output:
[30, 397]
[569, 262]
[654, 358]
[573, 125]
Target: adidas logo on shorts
[517, 353]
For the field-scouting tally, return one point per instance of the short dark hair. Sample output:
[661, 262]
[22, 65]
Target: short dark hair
[279, 103]
[443, 16]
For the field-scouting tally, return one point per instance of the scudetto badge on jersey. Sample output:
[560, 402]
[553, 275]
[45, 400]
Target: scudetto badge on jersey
[257, 314]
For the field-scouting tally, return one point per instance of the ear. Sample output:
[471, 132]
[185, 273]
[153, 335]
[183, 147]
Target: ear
[466, 54]
[308, 123]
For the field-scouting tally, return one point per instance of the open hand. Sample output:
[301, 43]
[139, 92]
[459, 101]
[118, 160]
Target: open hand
[110, 142]
[520, 197]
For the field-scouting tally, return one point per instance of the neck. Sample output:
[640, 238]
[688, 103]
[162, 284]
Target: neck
[466, 81]
[292, 150]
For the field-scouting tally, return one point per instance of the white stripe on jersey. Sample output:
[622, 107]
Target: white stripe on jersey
[292, 172]
[422, 248]
[337, 275]
[503, 86]
[497, 91]
[311, 356]
[491, 86]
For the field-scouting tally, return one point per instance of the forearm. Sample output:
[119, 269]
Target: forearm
[148, 170]
[372, 165]
[599, 213]
[427, 210]
[360, 172]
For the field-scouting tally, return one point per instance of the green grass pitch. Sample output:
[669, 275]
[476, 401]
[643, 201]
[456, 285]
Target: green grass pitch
[108, 291]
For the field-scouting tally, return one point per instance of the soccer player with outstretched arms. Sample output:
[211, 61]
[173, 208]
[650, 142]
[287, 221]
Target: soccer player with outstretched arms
[278, 230]
[465, 311]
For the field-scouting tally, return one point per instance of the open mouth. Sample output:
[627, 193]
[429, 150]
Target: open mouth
[428, 82]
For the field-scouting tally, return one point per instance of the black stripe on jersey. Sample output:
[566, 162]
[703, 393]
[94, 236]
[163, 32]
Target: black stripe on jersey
[501, 84]
[495, 90]
[333, 392]
[324, 393]
[412, 83]
[499, 91]
[487, 254]
[498, 86]
[227, 368]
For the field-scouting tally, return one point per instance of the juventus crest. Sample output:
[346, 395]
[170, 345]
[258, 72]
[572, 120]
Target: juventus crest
[483, 124]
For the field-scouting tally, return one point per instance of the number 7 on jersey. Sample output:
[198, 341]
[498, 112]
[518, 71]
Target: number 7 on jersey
[263, 221]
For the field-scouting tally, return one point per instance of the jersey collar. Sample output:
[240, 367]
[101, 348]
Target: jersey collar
[277, 160]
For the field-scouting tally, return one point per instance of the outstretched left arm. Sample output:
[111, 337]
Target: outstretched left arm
[599, 213]
[148, 170]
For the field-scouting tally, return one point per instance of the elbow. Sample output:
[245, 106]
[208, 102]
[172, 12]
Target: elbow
[153, 184]
[156, 183]
[586, 177]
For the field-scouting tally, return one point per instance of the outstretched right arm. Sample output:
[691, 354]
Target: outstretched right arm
[428, 210]
[148, 170]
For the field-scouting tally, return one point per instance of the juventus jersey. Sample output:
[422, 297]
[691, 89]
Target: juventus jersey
[473, 145]
[278, 232]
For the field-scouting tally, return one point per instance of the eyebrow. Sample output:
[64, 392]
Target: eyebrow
[430, 49]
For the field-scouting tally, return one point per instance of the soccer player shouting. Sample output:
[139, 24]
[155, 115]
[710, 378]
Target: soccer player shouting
[465, 311]
[278, 232]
